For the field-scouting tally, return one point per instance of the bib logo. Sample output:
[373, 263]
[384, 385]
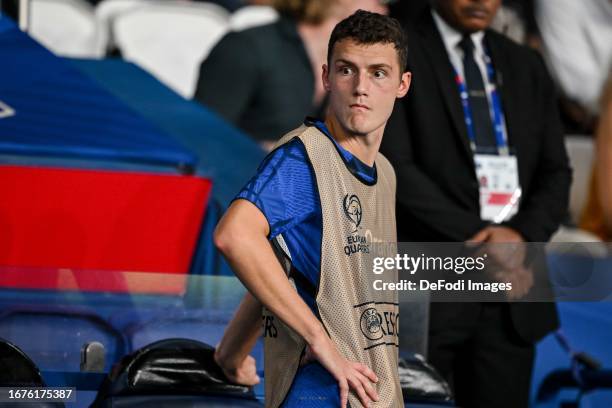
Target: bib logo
[376, 325]
[371, 324]
[354, 243]
[352, 209]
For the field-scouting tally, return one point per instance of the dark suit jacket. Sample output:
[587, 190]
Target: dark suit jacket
[426, 141]
[260, 80]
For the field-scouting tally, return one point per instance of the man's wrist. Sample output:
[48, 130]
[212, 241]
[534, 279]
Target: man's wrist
[316, 335]
[514, 231]
[222, 359]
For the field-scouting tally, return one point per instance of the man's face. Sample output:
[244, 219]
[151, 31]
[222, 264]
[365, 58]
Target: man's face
[363, 82]
[468, 16]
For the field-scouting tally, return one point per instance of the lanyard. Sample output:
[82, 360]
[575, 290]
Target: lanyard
[498, 115]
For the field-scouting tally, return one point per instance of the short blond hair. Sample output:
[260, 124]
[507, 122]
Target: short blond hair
[304, 11]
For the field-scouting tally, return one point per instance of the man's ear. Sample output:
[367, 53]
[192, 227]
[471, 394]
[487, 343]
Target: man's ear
[325, 77]
[404, 84]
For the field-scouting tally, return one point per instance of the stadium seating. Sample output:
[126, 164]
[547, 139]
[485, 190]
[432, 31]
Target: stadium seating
[105, 14]
[66, 27]
[170, 40]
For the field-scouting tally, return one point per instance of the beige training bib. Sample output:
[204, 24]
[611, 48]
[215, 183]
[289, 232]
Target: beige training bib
[362, 322]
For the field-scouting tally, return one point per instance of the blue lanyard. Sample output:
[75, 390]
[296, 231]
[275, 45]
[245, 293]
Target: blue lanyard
[498, 115]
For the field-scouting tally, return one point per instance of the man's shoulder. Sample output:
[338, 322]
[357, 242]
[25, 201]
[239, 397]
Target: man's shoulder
[283, 187]
[382, 161]
[385, 168]
[288, 158]
[515, 50]
[265, 37]
[259, 33]
[286, 166]
[305, 133]
[253, 39]
[526, 62]
[291, 135]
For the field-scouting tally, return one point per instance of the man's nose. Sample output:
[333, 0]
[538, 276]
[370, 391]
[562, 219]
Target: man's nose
[361, 83]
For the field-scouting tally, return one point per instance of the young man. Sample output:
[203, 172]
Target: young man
[321, 198]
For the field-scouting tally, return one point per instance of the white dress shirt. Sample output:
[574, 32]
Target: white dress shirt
[451, 39]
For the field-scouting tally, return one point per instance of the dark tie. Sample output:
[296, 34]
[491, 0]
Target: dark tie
[479, 104]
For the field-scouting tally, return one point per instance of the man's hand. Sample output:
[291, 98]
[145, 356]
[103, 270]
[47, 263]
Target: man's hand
[232, 352]
[349, 374]
[521, 279]
[506, 249]
[503, 244]
[496, 234]
[243, 372]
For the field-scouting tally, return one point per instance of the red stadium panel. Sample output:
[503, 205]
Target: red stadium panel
[89, 220]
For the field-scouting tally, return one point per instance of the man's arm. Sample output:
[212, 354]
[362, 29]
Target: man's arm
[242, 237]
[232, 353]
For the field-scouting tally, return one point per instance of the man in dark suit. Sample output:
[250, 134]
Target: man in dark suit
[478, 98]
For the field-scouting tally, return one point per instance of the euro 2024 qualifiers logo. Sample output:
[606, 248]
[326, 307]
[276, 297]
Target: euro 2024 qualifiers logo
[352, 210]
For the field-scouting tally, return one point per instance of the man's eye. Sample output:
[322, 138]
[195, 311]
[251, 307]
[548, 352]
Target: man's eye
[379, 73]
[346, 71]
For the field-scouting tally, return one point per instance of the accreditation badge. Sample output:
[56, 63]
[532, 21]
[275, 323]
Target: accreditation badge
[499, 187]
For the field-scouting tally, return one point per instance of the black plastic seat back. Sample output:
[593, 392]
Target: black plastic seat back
[16, 368]
[421, 383]
[172, 367]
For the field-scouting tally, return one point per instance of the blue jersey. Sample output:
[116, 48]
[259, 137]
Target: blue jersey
[284, 190]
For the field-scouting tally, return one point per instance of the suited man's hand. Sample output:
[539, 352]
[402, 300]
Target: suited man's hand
[506, 251]
[503, 245]
[496, 234]
[521, 279]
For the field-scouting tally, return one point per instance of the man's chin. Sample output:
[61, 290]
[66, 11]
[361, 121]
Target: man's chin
[357, 130]
[358, 127]
[474, 25]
